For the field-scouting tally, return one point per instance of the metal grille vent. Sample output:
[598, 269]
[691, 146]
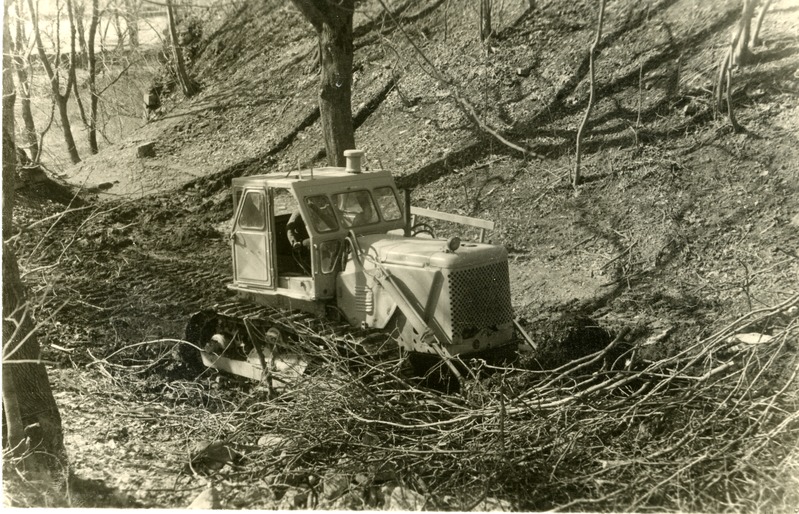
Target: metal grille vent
[480, 297]
[364, 300]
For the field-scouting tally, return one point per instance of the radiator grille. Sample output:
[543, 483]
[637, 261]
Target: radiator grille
[364, 300]
[480, 297]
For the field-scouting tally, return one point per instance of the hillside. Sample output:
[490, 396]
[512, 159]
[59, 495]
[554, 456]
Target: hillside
[682, 229]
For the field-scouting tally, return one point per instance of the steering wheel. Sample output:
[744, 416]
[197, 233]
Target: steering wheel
[422, 228]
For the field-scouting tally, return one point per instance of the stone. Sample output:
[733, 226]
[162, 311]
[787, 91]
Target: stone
[402, 498]
[294, 499]
[493, 505]
[524, 72]
[350, 501]
[145, 150]
[272, 442]
[212, 455]
[334, 486]
[206, 500]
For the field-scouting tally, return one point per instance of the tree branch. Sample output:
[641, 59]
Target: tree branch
[591, 55]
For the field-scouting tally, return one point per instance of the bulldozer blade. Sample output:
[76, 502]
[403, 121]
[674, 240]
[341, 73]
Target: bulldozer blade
[284, 370]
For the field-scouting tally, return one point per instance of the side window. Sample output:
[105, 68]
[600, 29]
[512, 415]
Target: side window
[387, 201]
[323, 218]
[329, 253]
[355, 208]
[253, 212]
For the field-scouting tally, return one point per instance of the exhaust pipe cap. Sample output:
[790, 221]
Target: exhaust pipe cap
[353, 160]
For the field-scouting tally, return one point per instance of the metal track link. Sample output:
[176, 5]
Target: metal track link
[375, 343]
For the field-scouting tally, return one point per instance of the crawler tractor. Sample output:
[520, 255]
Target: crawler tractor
[338, 244]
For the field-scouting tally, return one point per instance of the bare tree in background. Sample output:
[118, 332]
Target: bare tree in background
[332, 20]
[741, 52]
[75, 60]
[742, 41]
[131, 16]
[54, 74]
[80, 13]
[92, 62]
[32, 420]
[187, 85]
[23, 68]
[738, 54]
[756, 41]
[113, 9]
[485, 19]
[576, 179]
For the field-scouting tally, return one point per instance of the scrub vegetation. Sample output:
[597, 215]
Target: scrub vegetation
[660, 291]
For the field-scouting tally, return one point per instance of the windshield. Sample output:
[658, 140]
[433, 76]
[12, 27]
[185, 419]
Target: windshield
[355, 208]
[322, 217]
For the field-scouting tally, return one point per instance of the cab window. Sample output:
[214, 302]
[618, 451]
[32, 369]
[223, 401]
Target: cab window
[355, 208]
[387, 201]
[323, 218]
[253, 211]
[329, 253]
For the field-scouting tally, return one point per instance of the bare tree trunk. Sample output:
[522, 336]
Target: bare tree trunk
[756, 41]
[26, 387]
[131, 16]
[736, 127]
[60, 99]
[186, 83]
[93, 97]
[21, 68]
[118, 27]
[80, 12]
[737, 53]
[73, 63]
[66, 128]
[335, 94]
[29, 408]
[592, 53]
[9, 154]
[742, 54]
[333, 24]
[485, 19]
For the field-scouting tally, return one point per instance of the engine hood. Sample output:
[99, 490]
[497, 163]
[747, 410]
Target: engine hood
[420, 252]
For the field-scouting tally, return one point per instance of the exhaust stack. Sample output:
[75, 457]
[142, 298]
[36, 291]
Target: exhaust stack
[353, 160]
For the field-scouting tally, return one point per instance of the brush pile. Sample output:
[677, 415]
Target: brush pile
[710, 428]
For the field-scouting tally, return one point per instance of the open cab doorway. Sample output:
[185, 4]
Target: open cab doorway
[265, 262]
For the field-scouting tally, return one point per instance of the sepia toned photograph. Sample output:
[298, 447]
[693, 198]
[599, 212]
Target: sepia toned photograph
[401, 255]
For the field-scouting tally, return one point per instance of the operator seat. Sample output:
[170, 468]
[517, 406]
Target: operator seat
[297, 234]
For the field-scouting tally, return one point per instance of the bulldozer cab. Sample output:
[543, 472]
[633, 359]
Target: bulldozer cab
[289, 231]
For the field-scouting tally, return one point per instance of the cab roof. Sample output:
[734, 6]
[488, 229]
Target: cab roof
[312, 177]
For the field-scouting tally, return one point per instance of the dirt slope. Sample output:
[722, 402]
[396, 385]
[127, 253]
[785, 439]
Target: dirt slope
[681, 223]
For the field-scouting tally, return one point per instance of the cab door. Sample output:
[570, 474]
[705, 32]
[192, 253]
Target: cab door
[252, 240]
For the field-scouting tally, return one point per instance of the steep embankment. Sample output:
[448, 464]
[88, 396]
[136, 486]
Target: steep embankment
[258, 113]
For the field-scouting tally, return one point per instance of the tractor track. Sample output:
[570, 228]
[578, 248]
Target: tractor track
[305, 325]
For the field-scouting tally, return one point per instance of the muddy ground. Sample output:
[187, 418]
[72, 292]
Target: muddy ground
[681, 224]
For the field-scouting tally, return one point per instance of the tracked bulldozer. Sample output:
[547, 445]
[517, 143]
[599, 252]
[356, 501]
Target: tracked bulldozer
[342, 245]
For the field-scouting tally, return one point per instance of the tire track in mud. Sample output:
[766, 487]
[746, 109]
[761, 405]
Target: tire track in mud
[153, 281]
